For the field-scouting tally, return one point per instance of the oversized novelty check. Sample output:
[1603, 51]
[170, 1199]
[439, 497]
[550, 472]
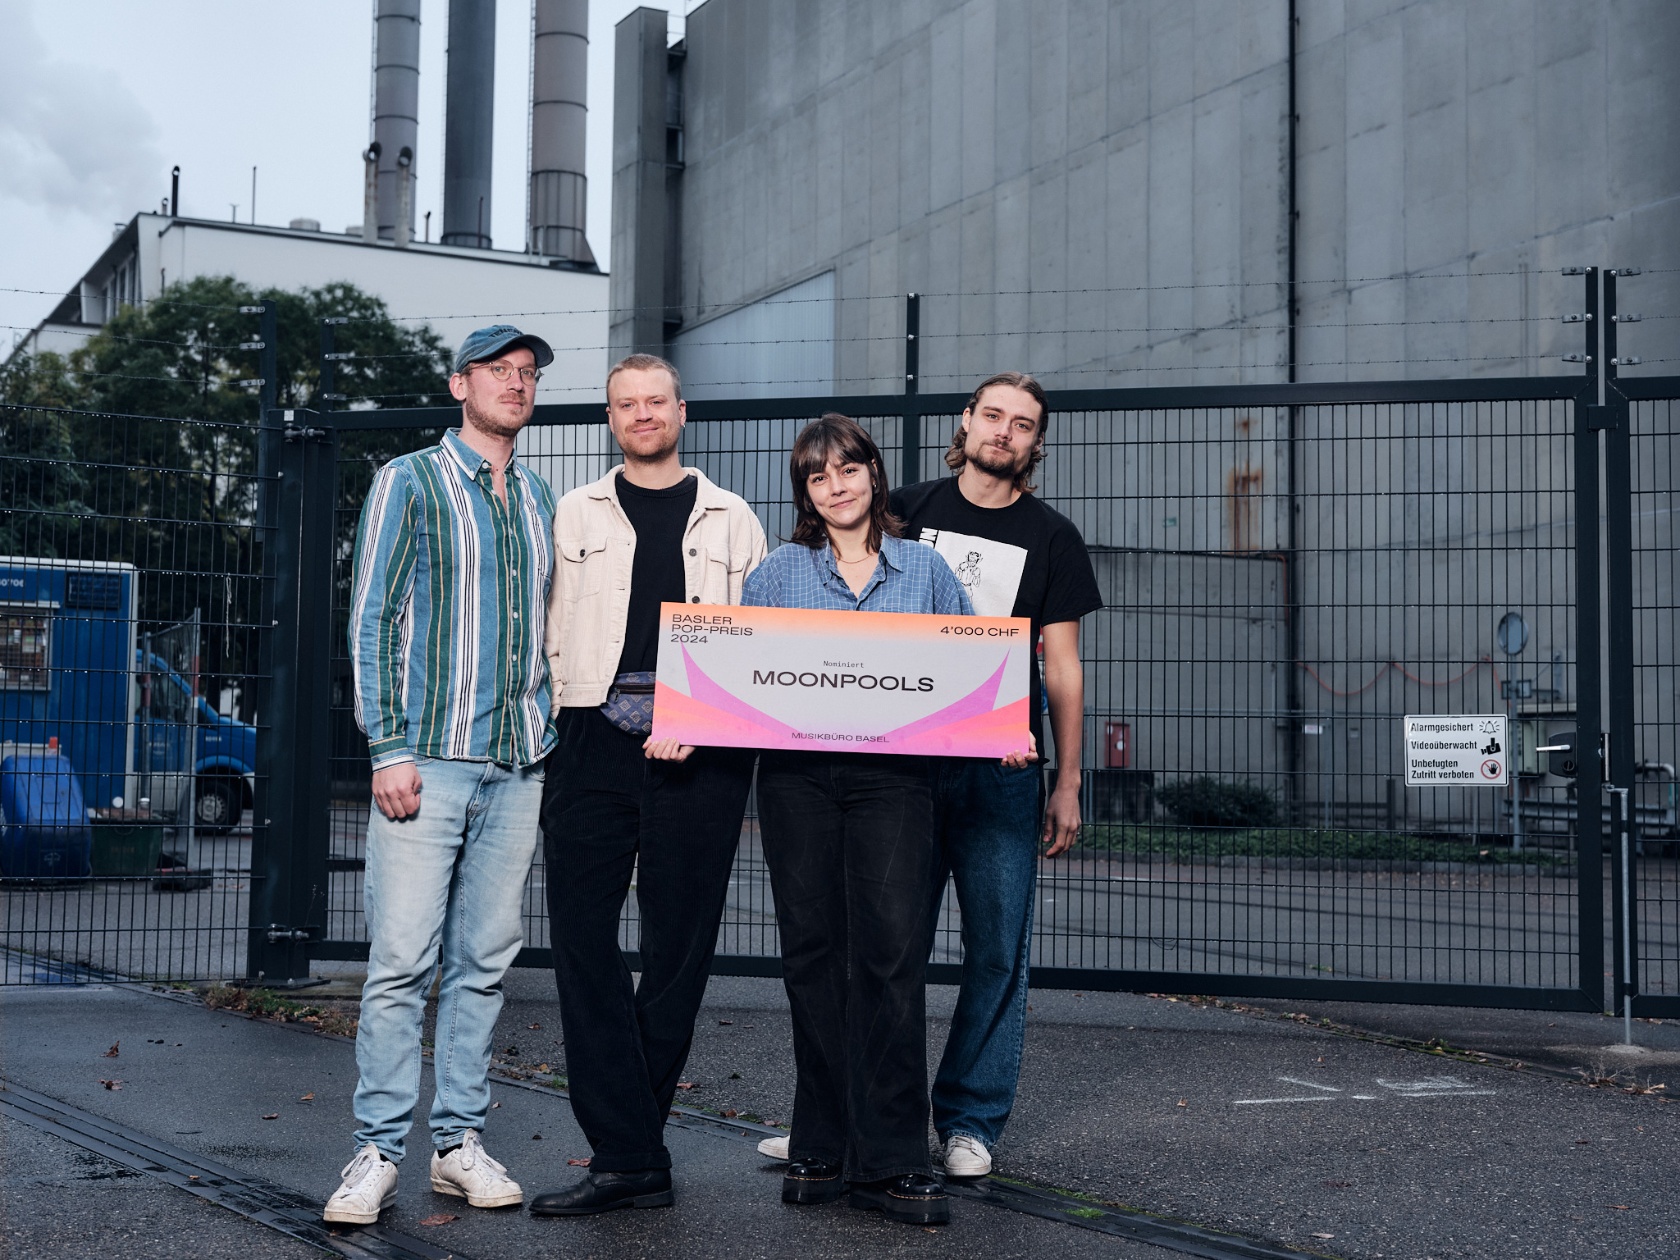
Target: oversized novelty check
[842, 681]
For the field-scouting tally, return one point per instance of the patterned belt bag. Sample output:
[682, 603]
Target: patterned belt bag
[629, 703]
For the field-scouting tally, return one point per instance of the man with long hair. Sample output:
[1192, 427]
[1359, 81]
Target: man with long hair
[619, 804]
[1016, 557]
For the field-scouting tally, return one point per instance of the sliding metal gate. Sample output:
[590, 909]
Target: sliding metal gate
[1287, 570]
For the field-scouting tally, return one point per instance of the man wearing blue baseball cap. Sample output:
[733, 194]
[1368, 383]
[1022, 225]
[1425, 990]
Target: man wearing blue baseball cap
[449, 592]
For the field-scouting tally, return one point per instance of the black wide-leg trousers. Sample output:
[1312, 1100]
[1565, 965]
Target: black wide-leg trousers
[610, 814]
[850, 843]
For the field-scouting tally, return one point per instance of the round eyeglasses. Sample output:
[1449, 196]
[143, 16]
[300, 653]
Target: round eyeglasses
[502, 370]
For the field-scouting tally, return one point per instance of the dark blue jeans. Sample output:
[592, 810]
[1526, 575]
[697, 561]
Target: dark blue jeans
[848, 838]
[989, 818]
[609, 812]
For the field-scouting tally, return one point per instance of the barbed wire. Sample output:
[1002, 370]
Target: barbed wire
[783, 383]
[103, 331]
[164, 297]
[99, 413]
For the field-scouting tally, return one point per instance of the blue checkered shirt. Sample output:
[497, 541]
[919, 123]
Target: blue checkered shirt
[908, 578]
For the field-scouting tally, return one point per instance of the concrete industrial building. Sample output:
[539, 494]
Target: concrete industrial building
[451, 288]
[1119, 193]
[552, 285]
[1104, 190]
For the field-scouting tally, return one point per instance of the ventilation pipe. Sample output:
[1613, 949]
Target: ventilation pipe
[469, 99]
[370, 193]
[396, 105]
[559, 116]
[405, 200]
[175, 192]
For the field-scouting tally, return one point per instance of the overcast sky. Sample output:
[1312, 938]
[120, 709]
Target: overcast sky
[99, 98]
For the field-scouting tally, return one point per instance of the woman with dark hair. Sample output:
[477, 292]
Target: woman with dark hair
[850, 844]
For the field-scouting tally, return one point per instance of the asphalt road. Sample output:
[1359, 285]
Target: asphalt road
[1240, 1120]
[1506, 924]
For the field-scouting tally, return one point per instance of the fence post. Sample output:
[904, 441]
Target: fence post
[289, 839]
[1589, 781]
[910, 469]
[1618, 660]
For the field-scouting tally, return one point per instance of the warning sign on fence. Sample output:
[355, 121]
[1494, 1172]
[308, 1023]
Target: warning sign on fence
[1457, 750]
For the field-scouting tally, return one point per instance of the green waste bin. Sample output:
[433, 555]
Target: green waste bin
[126, 848]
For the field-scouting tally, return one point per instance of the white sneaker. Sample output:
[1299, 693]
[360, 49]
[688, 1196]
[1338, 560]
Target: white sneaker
[774, 1148]
[370, 1183]
[967, 1157]
[469, 1173]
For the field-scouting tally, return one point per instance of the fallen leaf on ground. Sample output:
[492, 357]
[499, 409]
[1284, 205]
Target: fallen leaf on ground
[111, 1084]
[685, 1084]
[536, 1137]
[542, 1067]
[729, 1113]
[1324, 1235]
[439, 1218]
[273, 1115]
[310, 1097]
[724, 1023]
[112, 1052]
[533, 1027]
[1618, 1207]
[493, 1106]
[192, 1176]
[1183, 1102]
[579, 1163]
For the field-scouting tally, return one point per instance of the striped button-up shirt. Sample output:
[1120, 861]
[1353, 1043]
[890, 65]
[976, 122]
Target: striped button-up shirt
[448, 596]
[908, 578]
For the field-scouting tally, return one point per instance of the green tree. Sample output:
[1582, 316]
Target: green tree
[141, 446]
[43, 485]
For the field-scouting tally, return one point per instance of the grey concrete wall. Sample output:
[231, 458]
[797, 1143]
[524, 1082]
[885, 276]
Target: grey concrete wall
[1046, 172]
[640, 197]
[1098, 189]
[1508, 138]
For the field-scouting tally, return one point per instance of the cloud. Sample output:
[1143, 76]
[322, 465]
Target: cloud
[70, 138]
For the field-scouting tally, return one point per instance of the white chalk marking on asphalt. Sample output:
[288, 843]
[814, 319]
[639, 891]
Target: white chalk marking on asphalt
[1429, 1084]
[1444, 1093]
[1295, 1080]
[1364, 1097]
[1261, 1102]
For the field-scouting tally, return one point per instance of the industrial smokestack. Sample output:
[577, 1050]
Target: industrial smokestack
[405, 199]
[559, 116]
[469, 98]
[396, 105]
[370, 193]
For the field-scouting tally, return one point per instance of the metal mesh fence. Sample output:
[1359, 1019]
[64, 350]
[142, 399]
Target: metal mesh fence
[1656, 690]
[129, 597]
[1281, 589]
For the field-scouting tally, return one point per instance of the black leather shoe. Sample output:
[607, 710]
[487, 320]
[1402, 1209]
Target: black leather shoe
[812, 1181]
[604, 1191]
[915, 1198]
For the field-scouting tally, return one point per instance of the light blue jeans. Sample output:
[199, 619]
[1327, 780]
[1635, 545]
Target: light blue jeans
[988, 818]
[451, 875]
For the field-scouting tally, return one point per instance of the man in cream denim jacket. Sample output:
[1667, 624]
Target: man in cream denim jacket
[616, 802]
[595, 555]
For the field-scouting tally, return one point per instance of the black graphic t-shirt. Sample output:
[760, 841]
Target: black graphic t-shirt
[659, 518]
[1024, 560]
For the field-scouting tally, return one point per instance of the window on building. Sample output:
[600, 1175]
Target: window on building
[25, 647]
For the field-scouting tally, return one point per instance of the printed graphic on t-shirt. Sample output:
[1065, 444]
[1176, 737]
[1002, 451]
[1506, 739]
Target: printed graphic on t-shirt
[990, 571]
